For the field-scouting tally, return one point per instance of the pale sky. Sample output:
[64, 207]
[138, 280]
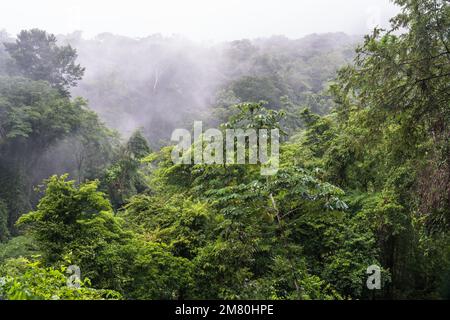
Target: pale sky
[202, 20]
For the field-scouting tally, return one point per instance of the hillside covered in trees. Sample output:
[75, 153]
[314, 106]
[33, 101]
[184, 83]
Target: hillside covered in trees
[87, 177]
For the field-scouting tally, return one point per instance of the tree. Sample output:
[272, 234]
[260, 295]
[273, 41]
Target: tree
[392, 144]
[72, 220]
[37, 56]
[33, 117]
[124, 178]
[77, 224]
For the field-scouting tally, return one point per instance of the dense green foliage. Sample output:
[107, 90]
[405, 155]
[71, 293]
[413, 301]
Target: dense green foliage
[26, 280]
[363, 179]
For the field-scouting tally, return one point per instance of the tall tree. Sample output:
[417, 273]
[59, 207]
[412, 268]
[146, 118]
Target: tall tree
[394, 111]
[37, 56]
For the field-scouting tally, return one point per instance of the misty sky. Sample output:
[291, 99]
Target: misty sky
[203, 20]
